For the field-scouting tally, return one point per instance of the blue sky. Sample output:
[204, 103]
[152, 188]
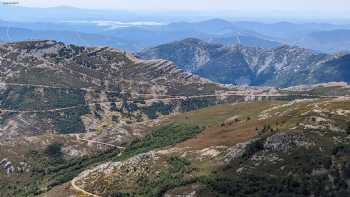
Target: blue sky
[302, 9]
[243, 5]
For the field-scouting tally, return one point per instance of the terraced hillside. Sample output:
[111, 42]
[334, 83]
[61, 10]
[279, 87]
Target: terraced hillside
[65, 107]
[68, 89]
[261, 148]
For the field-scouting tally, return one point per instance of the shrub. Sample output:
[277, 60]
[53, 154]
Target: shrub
[342, 149]
[115, 194]
[163, 136]
[253, 148]
[115, 119]
[347, 169]
[158, 107]
[54, 150]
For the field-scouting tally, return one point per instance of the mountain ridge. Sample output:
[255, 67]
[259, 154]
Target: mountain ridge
[281, 66]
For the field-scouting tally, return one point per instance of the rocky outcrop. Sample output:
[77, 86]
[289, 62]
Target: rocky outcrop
[9, 168]
[116, 173]
[238, 151]
[185, 191]
[279, 142]
[285, 142]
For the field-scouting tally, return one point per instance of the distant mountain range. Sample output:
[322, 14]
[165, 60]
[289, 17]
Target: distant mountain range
[136, 31]
[282, 66]
[331, 40]
[71, 37]
[132, 38]
[317, 36]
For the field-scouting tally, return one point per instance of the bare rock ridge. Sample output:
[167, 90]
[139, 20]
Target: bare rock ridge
[282, 66]
[87, 66]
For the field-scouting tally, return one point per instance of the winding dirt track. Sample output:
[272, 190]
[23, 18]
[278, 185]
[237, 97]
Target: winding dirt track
[97, 142]
[162, 98]
[78, 189]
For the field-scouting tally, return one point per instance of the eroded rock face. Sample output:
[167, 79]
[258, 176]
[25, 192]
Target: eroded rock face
[237, 151]
[284, 142]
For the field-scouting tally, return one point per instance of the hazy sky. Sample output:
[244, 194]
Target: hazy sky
[329, 6]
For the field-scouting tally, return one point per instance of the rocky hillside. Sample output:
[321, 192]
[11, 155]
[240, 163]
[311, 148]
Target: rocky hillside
[65, 107]
[267, 148]
[80, 121]
[282, 66]
[69, 89]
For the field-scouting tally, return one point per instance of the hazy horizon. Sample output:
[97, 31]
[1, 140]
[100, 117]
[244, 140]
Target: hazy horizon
[318, 9]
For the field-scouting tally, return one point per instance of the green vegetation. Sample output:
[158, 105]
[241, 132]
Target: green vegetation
[342, 150]
[50, 171]
[5, 116]
[347, 169]
[266, 129]
[253, 148]
[319, 91]
[115, 119]
[68, 121]
[197, 103]
[302, 171]
[295, 175]
[161, 137]
[32, 98]
[114, 107]
[171, 175]
[158, 107]
[115, 194]
[41, 99]
[113, 96]
[268, 184]
[54, 150]
[169, 178]
[283, 186]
